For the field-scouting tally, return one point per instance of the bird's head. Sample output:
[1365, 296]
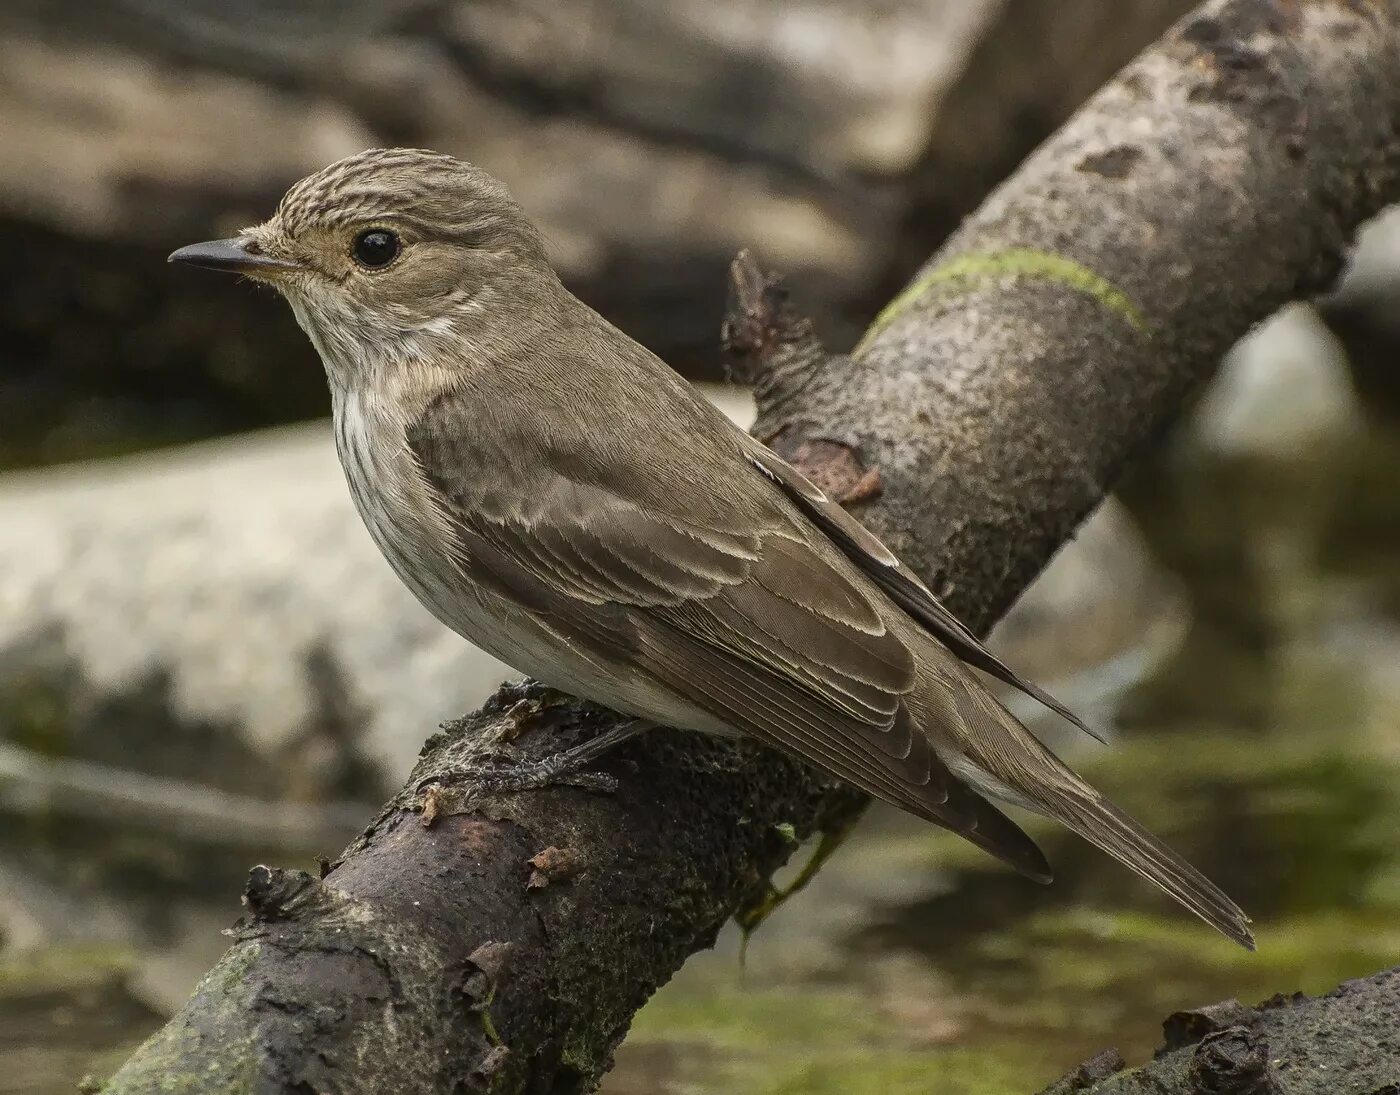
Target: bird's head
[391, 256]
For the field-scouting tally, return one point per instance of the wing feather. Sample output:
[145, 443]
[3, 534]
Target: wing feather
[770, 712]
[757, 600]
[864, 549]
[735, 603]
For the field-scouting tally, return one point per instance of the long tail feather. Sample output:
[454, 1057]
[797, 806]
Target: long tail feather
[1103, 824]
[1002, 758]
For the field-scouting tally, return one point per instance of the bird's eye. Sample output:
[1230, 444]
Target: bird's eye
[375, 248]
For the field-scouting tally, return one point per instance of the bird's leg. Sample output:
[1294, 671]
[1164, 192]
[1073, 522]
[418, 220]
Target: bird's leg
[566, 766]
[562, 768]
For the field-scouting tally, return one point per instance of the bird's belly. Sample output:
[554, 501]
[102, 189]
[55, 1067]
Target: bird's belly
[523, 643]
[515, 637]
[402, 525]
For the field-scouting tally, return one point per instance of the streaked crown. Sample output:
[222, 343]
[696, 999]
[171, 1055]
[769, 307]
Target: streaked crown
[431, 191]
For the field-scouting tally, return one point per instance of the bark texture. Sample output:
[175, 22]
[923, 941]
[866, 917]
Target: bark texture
[470, 943]
[1343, 1043]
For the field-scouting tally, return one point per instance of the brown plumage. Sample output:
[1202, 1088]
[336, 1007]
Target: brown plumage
[559, 496]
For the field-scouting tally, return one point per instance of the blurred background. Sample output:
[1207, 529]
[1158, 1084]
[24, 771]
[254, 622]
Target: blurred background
[204, 664]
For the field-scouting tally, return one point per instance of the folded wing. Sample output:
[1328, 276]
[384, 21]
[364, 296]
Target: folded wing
[725, 597]
[899, 584]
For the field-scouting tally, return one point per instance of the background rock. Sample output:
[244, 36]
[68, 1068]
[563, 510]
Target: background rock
[218, 614]
[205, 662]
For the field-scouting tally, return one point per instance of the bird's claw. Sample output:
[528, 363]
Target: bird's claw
[534, 775]
[514, 775]
[496, 767]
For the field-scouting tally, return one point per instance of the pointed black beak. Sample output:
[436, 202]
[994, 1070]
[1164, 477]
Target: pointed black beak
[240, 255]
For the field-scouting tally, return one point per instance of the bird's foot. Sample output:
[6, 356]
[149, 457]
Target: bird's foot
[506, 770]
[502, 776]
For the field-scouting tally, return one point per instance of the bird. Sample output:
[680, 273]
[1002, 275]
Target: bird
[559, 496]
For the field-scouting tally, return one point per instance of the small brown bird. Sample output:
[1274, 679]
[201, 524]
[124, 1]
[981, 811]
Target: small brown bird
[559, 496]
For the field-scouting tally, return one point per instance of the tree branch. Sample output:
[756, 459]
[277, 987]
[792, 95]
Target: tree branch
[506, 945]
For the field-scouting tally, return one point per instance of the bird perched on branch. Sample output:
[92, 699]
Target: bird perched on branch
[558, 495]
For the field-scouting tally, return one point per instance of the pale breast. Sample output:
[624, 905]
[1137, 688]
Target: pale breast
[393, 500]
[395, 503]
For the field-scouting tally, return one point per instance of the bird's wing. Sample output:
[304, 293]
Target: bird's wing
[902, 587]
[719, 593]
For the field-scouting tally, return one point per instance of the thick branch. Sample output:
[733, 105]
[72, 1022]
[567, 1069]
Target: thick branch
[507, 944]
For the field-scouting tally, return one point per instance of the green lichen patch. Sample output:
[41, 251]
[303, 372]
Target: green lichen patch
[194, 1054]
[1012, 262]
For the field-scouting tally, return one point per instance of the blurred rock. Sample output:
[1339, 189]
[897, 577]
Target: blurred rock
[205, 662]
[1280, 394]
[219, 615]
[837, 138]
[818, 86]
[1101, 617]
[1247, 500]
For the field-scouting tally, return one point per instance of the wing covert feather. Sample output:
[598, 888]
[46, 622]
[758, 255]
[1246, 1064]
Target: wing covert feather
[864, 549]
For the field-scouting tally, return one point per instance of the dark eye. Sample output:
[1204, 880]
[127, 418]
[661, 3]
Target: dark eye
[375, 248]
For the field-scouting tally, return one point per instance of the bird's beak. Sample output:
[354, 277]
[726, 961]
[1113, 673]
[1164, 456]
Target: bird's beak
[241, 255]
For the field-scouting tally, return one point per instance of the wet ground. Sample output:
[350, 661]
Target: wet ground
[1261, 737]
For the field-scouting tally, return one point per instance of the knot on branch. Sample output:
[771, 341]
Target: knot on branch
[769, 343]
[276, 893]
[293, 899]
[837, 468]
[1234, 1061]
[1187, 1028]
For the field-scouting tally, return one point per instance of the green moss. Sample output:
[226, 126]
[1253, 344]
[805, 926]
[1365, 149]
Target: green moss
[488, 1026]
[949, 1072]
[34, 713]
[731, 1017]
[179, 1059]
[63, 968]
[1318, 816]
[1077, 976]
[749, 919]
[780, 1042]
[232, 969]
[1013, 262]
[579, 1052]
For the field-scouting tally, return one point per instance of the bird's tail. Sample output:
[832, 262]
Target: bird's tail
[1103, 824]
[1003, 759]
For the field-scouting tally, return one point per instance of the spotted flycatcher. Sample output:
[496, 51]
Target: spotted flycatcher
[556, 494]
